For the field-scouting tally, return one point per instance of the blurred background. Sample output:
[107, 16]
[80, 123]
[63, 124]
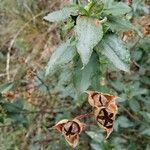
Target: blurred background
[30, 104]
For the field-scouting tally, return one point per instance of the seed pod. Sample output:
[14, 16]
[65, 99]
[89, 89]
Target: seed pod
[105, 109]
[105, 119]
[98, 99]
[71, 130]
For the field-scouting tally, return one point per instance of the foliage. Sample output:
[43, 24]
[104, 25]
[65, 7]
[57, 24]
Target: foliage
[98, 41]
[89, 30]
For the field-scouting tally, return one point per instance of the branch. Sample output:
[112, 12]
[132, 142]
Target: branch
[46, 141]
[47, 87]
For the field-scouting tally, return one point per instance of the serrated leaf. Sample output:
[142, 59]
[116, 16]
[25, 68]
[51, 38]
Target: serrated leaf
[88, 33]
[120, 24]
[117, 9]
[61, 15]
[114, 49]
[83, 78]
[61, 56]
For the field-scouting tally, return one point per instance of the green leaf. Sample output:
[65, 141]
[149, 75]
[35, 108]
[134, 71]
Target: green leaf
[83, 78]
[14, 111]
[124, 122]
[61, 56]
[6, 87]
[145, 115]
[97, 137]
[117, 9]
[119, 142]
[145, 132]
[96, 146]
[134, 105]
[114, 49]
[35, 147]
[120, 24]
[83, 11]
[144, 44]
[65, 86]
[88, 35]
[61, 15]
[139, 7]
[147, 146]
[1, 117]
[108, 3]
[15, 107]
[96, 8]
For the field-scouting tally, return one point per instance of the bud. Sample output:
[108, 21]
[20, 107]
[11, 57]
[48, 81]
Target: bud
[71, 130]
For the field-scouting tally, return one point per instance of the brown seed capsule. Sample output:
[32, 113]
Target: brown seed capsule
[105, 109]
[71, 130]
[105, 119]
[98, 99]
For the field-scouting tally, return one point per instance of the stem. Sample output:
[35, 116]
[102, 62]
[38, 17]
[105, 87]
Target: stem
[47, 88]
[46, 141]
[129, 113]
[84, 116]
